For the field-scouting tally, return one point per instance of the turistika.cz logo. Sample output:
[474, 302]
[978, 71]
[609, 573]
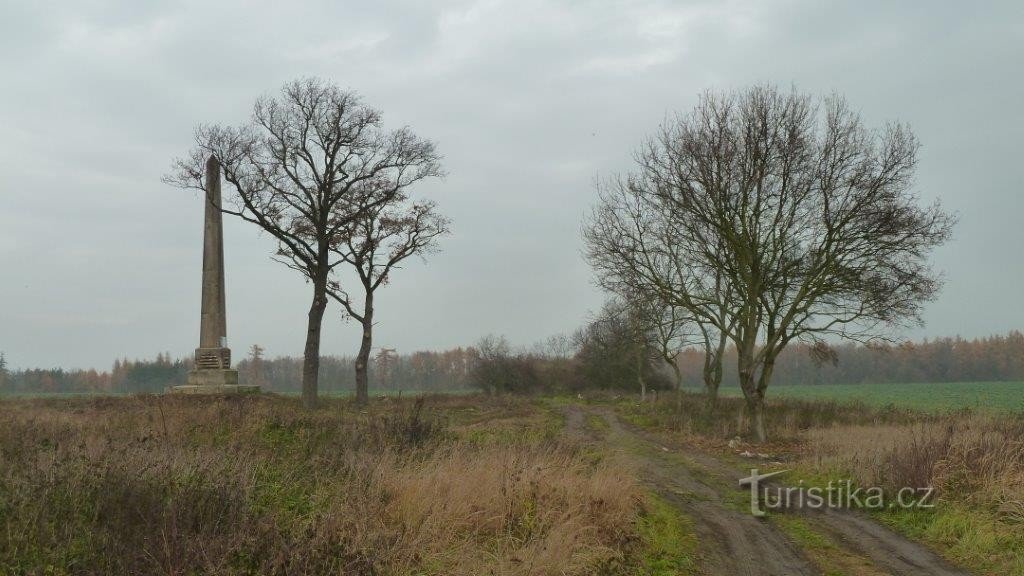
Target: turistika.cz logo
[836, 494]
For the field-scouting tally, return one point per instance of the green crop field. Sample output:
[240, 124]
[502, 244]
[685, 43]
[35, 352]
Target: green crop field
[934, 397]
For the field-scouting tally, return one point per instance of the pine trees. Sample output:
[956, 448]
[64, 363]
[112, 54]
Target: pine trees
[255, 367]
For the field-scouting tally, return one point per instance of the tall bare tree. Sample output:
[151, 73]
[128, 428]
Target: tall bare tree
[673, 330]
[308, 163]
[808, 216]
[619, 347]
[374, 245]
[714, 341]
[635, 247]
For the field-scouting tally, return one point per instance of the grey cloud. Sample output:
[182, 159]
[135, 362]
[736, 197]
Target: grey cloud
[528, 100]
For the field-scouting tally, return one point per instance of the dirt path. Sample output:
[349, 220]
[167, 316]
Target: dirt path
[732, 541]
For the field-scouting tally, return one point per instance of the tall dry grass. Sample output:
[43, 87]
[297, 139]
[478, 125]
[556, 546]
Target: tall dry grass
[185, 485]
[974, 458]
[787, 418]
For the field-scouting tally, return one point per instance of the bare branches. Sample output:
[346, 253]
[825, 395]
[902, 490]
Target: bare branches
[306, 164]
[376, 243]
[771, 217]
[389, 229]
[312, 161]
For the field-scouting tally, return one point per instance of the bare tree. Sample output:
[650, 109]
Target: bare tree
[635, 247]
[497, 369]
[715, 342]
[374, 245]
[639, 321]
[619, 346]
[673, 330]
[808, 217]
[555, 346]
[302, 169]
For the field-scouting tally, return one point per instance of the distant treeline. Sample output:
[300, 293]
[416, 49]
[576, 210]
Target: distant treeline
[127, 376]
[419, 371]
[995, 358]
[388, 371]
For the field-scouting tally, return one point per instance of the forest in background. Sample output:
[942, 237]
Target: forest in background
[550, 367]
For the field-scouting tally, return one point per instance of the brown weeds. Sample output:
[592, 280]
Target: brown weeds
[976, 458]
[181, 485]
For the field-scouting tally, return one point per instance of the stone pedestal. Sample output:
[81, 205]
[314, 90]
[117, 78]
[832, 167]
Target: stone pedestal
[214, 382]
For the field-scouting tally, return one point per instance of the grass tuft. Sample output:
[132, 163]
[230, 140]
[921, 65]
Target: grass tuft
[668, 543]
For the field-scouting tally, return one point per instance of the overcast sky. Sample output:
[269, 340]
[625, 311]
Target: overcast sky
[528, 102]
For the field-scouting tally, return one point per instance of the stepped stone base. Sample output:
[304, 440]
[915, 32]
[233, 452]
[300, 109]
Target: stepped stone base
[214, 382]
[212, 359]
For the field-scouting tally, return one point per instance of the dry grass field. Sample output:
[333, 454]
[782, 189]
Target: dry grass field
[450, 485]
[255, 485]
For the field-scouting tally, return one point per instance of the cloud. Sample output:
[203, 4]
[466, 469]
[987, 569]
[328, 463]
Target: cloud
[528, 100]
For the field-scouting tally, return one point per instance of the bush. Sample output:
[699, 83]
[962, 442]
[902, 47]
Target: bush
[499, 371]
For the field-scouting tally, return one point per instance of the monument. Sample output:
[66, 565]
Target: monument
[212, 373]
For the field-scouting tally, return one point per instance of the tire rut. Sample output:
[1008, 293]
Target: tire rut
[888, 550]
[851, 530]
[733, 542]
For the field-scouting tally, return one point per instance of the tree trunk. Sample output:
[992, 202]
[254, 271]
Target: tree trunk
[363, 358]
[640, 374]
[679, 384]
[311, 354]
[752, 393]
[754, 403]
[712, 378]
[767, 367]
[756, 411]
[712, 374]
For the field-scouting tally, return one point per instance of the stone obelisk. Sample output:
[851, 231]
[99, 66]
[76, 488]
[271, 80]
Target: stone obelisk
[212, 372]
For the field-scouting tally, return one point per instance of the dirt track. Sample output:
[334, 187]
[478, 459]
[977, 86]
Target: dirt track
[732, 541]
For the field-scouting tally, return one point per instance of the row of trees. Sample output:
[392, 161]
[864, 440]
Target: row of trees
[126, 376]
[548, 367]
[598, 356]
[605, 352]
[991, 359]
[419, 371]
[391, 372]
[316, 170]
[765, 218]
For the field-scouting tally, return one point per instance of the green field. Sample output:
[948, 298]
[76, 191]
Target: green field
[935, 397]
